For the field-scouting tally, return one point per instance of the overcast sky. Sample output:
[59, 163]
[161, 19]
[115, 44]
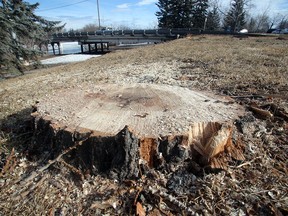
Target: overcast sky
[132, 13]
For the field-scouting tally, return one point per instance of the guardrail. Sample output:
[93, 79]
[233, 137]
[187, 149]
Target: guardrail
[132, 32]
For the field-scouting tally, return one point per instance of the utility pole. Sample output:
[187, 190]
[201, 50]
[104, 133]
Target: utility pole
[98, 14]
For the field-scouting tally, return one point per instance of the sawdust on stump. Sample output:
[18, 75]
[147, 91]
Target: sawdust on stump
[121, 129]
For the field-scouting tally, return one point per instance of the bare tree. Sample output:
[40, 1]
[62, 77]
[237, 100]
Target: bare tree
[90, 28]
[278, 21]
[283, 22]
[258, 23]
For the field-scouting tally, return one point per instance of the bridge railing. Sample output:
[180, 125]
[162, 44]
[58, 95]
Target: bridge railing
[130, 32]
[164, 32]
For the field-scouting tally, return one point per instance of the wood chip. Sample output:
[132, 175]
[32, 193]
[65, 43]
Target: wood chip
[140, 210]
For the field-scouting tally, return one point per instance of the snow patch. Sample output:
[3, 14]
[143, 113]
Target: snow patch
[68, 59]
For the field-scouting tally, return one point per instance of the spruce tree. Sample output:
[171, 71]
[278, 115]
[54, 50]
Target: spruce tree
[182, 13]
[18, 24]
[213, 19]
[174, 14]
[235, 19]
[199, 13]
[164, 16]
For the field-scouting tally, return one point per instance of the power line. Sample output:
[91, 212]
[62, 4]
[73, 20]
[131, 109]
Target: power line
[62, 6]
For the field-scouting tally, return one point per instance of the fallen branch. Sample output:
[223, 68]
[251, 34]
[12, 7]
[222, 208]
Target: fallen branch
[10, 163]
[34, 174]
[261, 113]
[73, 169]
[173, 200]
[247, 163]
[248, 96]
[27, 181]
[276, 111]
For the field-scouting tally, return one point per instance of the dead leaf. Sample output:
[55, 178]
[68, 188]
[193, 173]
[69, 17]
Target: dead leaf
[275, 210]
[100, 205]
[261, 113]
[140, 210]
[106, 204]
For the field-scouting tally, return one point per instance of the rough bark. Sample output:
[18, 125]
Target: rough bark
[122, 155]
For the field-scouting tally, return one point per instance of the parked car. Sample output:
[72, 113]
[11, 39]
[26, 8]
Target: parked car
[280, 31]
[271, 30]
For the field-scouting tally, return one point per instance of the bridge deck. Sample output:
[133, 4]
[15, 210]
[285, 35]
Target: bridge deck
[106, 38]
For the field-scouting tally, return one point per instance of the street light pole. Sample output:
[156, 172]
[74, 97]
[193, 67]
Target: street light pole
[98, 14]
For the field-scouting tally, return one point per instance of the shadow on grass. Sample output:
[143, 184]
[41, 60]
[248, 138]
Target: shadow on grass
[16, 132]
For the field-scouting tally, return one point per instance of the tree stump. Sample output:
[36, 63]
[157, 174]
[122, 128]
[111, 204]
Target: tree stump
[119, 127]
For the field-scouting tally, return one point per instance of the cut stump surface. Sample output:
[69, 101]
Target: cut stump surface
[150, 110]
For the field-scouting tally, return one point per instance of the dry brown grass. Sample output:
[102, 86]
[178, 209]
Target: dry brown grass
[227, 61]
[223, 64]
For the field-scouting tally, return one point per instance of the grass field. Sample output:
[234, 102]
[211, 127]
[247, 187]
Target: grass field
[251, 70]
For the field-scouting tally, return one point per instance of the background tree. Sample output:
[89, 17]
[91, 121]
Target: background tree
[283, 23]
[164, 16]
[262, 23]
[251, 24]
[91, 28]
[182, 13]
[277, 21]
[213, 19]
[235, 18]
[258, 23]
[123, 27]
[174, 14]
[199, 13]
[19, 24]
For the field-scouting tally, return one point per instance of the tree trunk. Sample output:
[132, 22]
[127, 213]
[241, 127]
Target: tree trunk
[125, 128]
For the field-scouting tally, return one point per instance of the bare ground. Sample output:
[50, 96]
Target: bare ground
[253, 71]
